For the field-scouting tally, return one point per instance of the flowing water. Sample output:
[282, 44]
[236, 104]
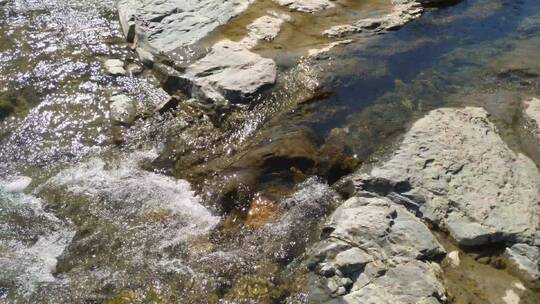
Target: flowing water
[179, 207]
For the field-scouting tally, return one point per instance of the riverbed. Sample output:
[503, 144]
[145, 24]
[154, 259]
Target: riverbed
[191, 205]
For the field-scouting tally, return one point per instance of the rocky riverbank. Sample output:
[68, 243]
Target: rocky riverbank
[167, 36]
[452, 172]
[302, 151]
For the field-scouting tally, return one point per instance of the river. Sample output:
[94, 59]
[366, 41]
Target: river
[179, 207]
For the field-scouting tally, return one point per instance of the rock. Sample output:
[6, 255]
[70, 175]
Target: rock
[308, 6]
[327, 271]
[115, 67]
[167, 32]
[472, 183]
[412, 282]
[123, 109]
[327, 48]
[403, 12]
[351, 260]
[265, 28]
[159, 26]
[453, 258]
[15, 184]
[230, 72]
[135, 69]
[375, 220]
[532, 114]
[380, 251]
[530, 128]
[525, 260]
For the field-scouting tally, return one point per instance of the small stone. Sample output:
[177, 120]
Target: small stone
[332, 285]
[115, 67]
[134, 69]
[123, 109]
[346, 282]
[327, 270]
[453, 258]
[351, 260]
[341, 291]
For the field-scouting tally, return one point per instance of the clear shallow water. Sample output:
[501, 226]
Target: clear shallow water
[102, 227]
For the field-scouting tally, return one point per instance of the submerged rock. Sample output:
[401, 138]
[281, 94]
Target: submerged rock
[115, 67]
[123, 109]
[32, 239]
[404, 11]
[308, 6]
[130, 225]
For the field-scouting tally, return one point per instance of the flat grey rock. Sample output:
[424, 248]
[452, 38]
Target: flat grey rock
[308, 6]
[230, 72]
[473, 184]
[383, 228]
[265, 28]
[403, 12]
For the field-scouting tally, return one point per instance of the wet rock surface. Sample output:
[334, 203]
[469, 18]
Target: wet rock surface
[309, 6]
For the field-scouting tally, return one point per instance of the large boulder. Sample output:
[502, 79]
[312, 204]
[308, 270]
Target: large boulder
[467, 180]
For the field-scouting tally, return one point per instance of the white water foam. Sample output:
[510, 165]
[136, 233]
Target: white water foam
[31, 240]
[129, 190]
[15, 184]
